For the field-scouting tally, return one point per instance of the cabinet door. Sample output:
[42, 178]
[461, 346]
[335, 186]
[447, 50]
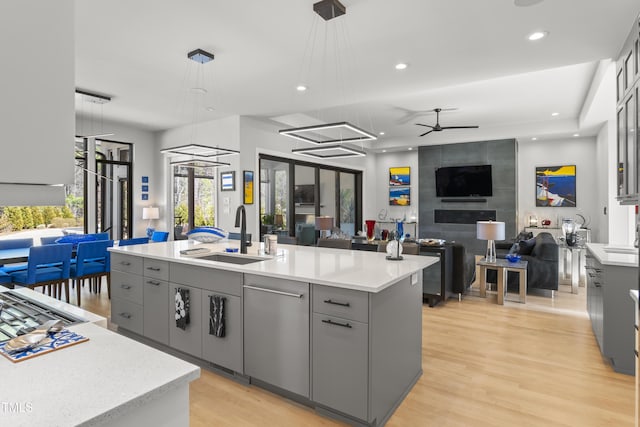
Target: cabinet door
[224, 351]
[126, 315]
[622, 154]
[276, 332]
[432, 277]
[188, 340]
[340, 364]
[155, 323]
[630, 133]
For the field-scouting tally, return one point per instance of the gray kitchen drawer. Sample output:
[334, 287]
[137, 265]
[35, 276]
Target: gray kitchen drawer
[340, 367]
[156, 269]
[226, 282]
[126, 286]
[126, 263]
[345, 303]
[126, 315]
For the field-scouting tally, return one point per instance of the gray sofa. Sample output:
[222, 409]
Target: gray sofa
[541, 252]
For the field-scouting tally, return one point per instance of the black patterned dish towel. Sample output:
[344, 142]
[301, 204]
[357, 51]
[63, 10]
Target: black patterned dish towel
[182, 308]
[217, 315]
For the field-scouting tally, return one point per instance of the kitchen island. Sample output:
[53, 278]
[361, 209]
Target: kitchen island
[337, 330]
[108, 380]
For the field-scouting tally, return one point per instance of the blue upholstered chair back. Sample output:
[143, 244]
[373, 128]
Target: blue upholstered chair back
[160, 236]
[48, 254]
[101, 236]
[95, 252]
[134, 241]
[49, 240]
[16, 243]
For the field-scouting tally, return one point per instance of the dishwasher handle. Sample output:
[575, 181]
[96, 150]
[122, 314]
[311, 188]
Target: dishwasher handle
[272, 291]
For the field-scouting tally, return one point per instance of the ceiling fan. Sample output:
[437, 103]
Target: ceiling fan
[438, 128]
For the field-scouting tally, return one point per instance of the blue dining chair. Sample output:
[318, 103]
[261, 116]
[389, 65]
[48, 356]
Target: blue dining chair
[134, 241]
[43, 271]
[15, 244]
[100, 236]
[160, 236]
[5, 278]
[92, 261]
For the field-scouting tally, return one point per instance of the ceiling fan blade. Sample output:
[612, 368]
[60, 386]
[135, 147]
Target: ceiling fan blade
[426, 133]
[460, 127]
[428, 126]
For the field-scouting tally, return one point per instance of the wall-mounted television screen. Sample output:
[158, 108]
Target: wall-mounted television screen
[304, 194]
[464, 181]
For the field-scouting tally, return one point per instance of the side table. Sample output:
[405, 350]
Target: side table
[503, 267]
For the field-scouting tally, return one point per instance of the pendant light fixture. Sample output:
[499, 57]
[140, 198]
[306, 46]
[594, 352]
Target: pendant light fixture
[335, 133]
[198, 155]
[94, 99]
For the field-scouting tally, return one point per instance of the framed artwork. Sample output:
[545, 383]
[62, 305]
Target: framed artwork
[247, 184]
[145, 188]
[145, 179]
[228, 181]
[556, 186]
[145, 196]
[400, 196]
[400, 175]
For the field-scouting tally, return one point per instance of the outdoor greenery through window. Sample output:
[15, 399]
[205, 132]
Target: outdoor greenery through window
[194, 194]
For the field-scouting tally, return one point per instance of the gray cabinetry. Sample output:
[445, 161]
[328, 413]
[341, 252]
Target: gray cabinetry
[188, 340]
[156, 318]
[340, 349]
[224, 351]
[607, 295]
[127, 315]
[276, 332]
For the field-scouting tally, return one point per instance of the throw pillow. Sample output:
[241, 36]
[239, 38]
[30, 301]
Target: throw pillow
[526, 246]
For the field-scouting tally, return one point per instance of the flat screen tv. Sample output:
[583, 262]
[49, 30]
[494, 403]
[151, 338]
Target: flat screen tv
[304, 194]
[464, 181]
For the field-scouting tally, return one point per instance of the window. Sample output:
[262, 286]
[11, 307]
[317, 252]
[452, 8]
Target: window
[194, 198]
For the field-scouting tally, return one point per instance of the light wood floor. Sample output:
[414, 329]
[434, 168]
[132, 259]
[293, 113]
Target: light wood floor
[534, 364]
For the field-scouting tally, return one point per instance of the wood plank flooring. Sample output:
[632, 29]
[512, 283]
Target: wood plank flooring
[534, 364]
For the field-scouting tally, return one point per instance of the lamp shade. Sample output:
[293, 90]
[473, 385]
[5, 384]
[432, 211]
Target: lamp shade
[490, 230]
[150, 213]
[324, 222]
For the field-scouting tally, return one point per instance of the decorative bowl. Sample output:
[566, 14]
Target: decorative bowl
[513, 257]
[207, 234]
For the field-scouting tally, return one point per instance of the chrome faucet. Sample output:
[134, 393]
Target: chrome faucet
[241, 221]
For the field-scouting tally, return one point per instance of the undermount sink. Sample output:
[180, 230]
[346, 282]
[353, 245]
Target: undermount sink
[621, 249]
[231, 259]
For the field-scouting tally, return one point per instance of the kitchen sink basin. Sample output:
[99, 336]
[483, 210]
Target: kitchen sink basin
[231, 259]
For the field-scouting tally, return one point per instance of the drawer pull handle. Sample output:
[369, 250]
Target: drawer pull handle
[151, 282]
[331, 322]
[342, 304]
[125, 315]
[153, 268]
[597, 284]
[125, 286]
[271, 291]
[125, 263]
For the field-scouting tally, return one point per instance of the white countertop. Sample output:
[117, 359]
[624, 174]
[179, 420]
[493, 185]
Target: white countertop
[89, 383]
[350, 269]
[613, 258]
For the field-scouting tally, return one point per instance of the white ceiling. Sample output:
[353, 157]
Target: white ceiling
[466, 54]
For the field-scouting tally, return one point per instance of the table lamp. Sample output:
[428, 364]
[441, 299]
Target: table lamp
[150, 213]
[324, 224]
[490, 231]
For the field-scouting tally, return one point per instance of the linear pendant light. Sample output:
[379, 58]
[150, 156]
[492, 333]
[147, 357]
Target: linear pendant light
[330, 151]
[296, 133]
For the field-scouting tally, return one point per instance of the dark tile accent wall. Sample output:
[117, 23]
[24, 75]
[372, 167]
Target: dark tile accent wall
[466, 216]
[501, 155]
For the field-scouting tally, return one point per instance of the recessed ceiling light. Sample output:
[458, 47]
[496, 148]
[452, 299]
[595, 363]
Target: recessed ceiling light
[301, 88]
[198, 90]
[410, 148]
[576, 134]
[381, 133]
[384, 151]
[401, 66]
[555, 114]
[538, 35]
[534, 139]
[210, 108]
